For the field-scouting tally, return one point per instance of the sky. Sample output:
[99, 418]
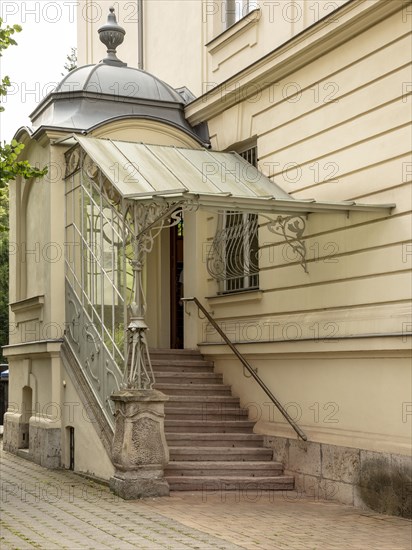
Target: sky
[36, 64]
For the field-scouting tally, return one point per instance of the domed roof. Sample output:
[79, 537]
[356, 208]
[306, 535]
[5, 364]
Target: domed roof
[119, 80]
[92, 95]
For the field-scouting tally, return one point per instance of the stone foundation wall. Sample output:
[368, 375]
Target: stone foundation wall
[14, 429]
[40, 437]
[378, 481]
[45, 443]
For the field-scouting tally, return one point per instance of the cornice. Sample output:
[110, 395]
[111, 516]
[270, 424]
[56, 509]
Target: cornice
[315, 41]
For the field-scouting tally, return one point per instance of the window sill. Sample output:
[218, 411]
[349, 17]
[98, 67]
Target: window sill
[29, 309]
[228, 34]
[235, 298]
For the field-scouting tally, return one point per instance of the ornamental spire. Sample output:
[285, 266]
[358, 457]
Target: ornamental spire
[112, 35]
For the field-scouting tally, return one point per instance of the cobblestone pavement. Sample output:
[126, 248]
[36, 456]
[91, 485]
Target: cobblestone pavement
[57, 509]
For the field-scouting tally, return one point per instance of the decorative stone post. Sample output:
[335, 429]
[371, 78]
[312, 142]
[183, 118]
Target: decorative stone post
[140, 451]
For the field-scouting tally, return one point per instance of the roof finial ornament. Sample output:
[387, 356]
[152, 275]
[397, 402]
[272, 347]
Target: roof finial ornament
[112, 35]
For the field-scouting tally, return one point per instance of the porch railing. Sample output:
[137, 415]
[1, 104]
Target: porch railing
[99, 367]
[247, 365]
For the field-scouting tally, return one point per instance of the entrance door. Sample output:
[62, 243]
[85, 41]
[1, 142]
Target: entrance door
[176, 286]
[71, 448]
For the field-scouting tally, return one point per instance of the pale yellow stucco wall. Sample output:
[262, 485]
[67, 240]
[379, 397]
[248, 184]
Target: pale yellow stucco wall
[337, 128]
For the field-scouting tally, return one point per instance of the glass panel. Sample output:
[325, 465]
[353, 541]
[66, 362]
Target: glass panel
[96, 256]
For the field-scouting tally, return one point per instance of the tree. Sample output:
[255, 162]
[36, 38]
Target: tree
[10, 167]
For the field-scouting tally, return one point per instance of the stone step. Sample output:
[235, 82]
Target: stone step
[248, 486]
[216, 454]
[183, 378]
[213, 439]
[225, 468]
[194, 389]
[199, 400]
[160, 353]
[172, 365]
[188, 425]
[205, 413]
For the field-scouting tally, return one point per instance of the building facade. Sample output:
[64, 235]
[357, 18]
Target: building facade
[317, 96]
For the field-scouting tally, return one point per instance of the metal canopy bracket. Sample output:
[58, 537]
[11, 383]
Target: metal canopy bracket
[291, 228]
[234, 254]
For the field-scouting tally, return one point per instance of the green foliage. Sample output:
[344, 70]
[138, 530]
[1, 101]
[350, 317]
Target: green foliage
[6, 40]
[9, 166]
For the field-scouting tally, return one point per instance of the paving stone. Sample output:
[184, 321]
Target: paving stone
[183, 521]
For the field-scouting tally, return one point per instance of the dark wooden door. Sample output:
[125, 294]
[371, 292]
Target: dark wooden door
[176, 286]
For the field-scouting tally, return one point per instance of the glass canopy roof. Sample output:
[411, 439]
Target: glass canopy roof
[216, 180]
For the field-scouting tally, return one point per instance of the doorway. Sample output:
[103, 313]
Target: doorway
[70, 446]
[176, 286]
[27, 411]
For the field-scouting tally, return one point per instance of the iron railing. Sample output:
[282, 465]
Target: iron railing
[247, 365]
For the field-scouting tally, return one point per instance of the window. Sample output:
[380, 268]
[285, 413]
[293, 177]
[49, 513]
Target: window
[234, 256]
[242, 243]
[241, 251]
[237, 9]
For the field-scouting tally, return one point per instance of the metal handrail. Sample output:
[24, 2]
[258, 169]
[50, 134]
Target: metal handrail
[246, 364]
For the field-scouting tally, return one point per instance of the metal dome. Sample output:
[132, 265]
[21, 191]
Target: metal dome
[93, 95]
[121, 81]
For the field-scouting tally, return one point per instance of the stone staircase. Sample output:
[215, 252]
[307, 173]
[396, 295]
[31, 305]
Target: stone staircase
[211, 441]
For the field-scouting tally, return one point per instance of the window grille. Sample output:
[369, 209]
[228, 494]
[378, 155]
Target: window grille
[241, 251]
[234, 256]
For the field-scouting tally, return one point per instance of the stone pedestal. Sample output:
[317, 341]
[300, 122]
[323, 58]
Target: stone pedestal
[140, 451]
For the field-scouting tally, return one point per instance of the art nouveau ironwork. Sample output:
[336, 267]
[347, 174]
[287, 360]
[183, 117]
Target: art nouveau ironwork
[145, 223]
[108, 238]
[291, 228]
[233, 258]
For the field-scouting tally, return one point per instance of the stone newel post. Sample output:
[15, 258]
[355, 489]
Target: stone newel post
[140, 451]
